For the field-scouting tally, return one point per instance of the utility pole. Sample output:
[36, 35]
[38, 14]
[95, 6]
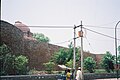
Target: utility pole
[116, 47]
[81, 35]
[74, 59]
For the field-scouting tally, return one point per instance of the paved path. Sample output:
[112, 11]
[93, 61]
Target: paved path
[109, 79]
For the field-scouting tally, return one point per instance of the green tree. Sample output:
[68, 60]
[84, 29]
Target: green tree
[21, 64]
[60, 57]
[107, 61]
[119, 55]
[6, 60]
[118, 59]
[10, 63]
[41, 37]
[65, 56]
[69, 52]
[70, 63]
[89, 64]
[49, 66]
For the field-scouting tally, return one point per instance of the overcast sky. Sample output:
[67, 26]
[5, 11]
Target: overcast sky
[97, 15]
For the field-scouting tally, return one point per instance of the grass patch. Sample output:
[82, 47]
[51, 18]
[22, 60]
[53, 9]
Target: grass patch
[100, 71]
[96, 71]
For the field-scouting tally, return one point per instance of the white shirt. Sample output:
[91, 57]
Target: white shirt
[78, 75]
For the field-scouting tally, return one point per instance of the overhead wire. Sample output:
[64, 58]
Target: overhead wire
[103, 25]
[99, 27]
[108, 23]
[54, 26]
[100, 33]
[89, 44]
[83, 27]
[64, 41]
[65, 26]
[70, 40]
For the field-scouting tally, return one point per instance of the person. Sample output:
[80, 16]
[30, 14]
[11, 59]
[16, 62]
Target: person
[64, 77]
[68, 75]
[78, 74]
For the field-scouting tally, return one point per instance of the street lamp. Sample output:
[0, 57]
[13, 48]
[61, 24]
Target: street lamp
[116, 46]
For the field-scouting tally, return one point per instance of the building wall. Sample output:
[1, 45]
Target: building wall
[11, 36]
[37, 52]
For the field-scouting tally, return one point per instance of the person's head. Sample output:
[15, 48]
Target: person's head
[79, 68]
[68, 70]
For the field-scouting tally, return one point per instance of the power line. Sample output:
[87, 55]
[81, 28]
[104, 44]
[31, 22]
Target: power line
[108, 23]
[100, 33]
[89, 44]
[99, 27]
[64, 41]
[63, 26]
[47, 26]
[52, 26]
[103, 25]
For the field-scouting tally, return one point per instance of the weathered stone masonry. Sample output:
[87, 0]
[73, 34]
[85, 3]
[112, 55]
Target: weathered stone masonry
[37, 52]
[21, 42]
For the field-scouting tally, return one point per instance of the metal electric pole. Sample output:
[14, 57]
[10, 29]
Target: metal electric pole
[81, 35]
[74, 54]
[74, 59]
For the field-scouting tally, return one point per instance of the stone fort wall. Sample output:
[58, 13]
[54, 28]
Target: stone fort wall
[37, 52]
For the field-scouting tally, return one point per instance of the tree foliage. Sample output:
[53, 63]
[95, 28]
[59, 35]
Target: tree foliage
[6, 60]
[107, 62]
[49, 66]
[69, 63]
[11, 64]
[65, 56]
[21, 64]
[89, 64]
[119, 55]
[41, 37]
[118, 59]
[119, 49]
[60, 57]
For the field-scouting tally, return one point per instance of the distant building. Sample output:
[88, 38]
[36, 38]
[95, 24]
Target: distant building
[25, 29]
